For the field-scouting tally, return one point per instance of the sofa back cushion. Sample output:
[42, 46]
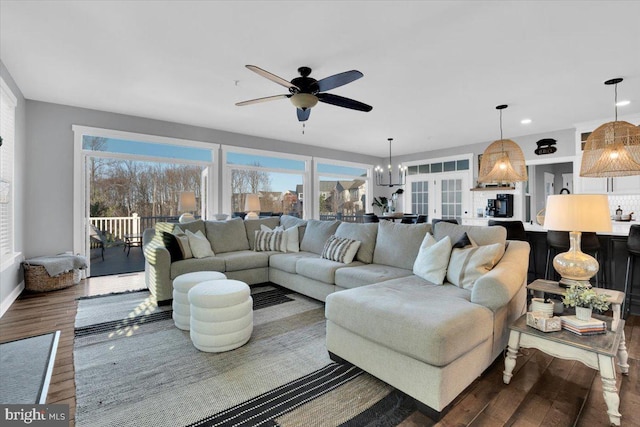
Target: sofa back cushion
[193, 226]
[228, 236]
[480, 235]
[316, 235]
[288, 221]
[253, 225]
[397, 245]
[364, 233]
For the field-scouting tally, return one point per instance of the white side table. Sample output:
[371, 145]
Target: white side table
[595, 351]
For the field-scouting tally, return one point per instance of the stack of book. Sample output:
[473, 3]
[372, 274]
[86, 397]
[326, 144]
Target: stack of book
[582, 327]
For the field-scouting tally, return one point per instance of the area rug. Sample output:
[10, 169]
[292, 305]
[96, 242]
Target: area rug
[25, 368]
[134, 368]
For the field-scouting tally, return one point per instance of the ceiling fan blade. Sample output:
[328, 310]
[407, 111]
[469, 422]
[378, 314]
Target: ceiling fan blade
[272, 77]
[258, 100]
[341, 101]
[303, 115]
[338, 80]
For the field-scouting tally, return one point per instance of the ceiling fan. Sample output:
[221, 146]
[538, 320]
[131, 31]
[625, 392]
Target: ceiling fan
[305, 91]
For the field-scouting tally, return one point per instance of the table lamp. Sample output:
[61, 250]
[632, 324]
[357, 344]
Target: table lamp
[576, 213]
[252, 206]
[186, 204]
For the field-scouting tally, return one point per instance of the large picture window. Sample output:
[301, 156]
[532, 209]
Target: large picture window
[7, 132]
[279, 181]
[342, 189]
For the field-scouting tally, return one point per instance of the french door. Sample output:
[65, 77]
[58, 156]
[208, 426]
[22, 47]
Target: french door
[439, 195]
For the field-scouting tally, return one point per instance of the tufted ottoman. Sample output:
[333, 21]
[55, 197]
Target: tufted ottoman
[181, 286]
[221, 315]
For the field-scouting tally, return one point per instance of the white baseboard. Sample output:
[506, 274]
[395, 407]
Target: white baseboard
[6, 303]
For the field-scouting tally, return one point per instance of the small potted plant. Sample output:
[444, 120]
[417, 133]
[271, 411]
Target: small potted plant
[585, 300]
[382, 203]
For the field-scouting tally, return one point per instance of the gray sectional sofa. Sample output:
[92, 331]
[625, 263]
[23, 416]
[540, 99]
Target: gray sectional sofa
[428, 340]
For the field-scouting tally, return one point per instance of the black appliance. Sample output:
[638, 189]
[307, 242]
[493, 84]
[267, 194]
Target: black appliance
[501, 206]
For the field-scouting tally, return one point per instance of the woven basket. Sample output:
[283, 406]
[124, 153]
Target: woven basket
[37, 279]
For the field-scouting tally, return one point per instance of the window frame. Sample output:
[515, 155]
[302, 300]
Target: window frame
[226, 172]
[316, 180]
[81, 155]
[8, 259]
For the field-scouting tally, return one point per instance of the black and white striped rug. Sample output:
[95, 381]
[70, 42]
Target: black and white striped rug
[134, 368]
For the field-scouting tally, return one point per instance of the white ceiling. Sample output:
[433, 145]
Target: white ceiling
[433, 71]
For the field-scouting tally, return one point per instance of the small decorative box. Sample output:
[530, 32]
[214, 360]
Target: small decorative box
[543, 322]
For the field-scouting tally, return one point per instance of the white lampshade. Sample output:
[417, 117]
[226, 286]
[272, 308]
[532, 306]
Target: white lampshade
[187, 201]
[578, 212]
[252, 205]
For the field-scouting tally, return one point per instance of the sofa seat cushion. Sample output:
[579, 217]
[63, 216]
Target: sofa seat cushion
[433, 324]
[287, 262]
[321, 269]
[196, 264]
[244, 260]
[353, 277]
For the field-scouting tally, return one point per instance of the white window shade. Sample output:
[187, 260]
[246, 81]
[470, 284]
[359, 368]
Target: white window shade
[7, 131]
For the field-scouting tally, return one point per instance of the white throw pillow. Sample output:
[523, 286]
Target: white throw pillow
[183, 242]
[200, 246]
[291, 235]
[469, 264]
[340, 249]
[433, 259]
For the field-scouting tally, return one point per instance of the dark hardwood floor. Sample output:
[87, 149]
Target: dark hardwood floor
[544, 391]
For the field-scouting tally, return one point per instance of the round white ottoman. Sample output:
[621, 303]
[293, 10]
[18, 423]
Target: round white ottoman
[221, 315]
[181, 286]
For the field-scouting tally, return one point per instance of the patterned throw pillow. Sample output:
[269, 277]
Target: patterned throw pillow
[270, 241]
[340, 249]
[290, 236]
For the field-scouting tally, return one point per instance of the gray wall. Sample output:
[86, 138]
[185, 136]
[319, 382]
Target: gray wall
[49, 186]
[557, 169]
[565, 143]
[11, 278]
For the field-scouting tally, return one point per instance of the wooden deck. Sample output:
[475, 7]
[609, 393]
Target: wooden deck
[544, 392]
[117, 260]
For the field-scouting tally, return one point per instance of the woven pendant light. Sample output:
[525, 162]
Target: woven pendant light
[613, 149]
[502, 161]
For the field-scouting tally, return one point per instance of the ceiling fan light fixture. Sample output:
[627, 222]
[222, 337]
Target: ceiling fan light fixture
[502, 161]
[304, 101]
[613, 149]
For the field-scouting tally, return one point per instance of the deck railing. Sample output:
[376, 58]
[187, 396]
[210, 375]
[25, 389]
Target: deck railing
[118, 227]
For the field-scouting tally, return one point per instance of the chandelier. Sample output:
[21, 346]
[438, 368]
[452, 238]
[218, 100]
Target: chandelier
[380, 175]
[613, 149]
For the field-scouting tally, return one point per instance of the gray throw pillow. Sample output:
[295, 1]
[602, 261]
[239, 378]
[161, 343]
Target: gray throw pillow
[317, 234]
[365, 233]
[227, 236]
[397, 245]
